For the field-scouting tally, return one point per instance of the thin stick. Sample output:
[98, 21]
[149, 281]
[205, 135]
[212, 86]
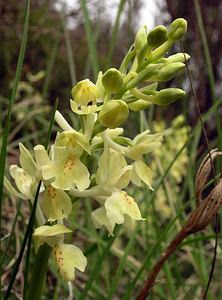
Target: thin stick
[159, 264]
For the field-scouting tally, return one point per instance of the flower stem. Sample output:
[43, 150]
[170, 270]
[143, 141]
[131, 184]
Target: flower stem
[38, 273]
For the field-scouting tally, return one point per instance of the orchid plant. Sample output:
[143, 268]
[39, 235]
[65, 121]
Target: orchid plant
[102, 108]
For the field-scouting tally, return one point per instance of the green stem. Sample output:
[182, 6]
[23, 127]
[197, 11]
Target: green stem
[142, 75]
[90, 39]
[115, 31]
[38, 273]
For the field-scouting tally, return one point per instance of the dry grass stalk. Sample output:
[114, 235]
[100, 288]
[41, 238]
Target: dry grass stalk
[199, 219]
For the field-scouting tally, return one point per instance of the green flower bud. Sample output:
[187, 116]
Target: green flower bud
[168, 71]
[168, 96]
[157, 36]
[179, 57]
[178, 122]
[112, 80]
[177, 29]
[85, 92]
[140, 40]
[113, 113]
[139, 105]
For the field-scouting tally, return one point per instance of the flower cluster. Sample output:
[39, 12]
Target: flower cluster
[175, 138]
[118, 160]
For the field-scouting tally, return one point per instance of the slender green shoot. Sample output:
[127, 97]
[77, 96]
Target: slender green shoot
[115, 31]
[97, 268]
[90, 39]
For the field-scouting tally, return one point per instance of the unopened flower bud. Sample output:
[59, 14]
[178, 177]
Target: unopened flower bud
[112, 80]
[178, 121]
[139, 105]
[168, 71]
[177, 29]
[178, 57]
[113, 113]
[85, 92]
[157, 36]
[140, 40]
[168, 96]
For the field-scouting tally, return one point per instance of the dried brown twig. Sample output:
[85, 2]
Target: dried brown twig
[199, 219]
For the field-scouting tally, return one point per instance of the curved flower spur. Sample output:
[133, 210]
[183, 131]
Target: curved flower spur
[200, 218]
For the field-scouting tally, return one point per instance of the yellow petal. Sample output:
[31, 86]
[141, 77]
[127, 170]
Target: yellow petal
[113, 169]
[144, 143]
[68, 173]
[84, 110]
[72, 140]
[24, 182]
[69, 257]
[27, 161]
[56, 204]
[119, 204]
[41, 156]
[100, 219]
[12, 190]
[52, 235]
[143, 172]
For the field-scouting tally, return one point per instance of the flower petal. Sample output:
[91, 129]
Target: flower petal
[118, 204]
[84, 110]
[113, 169]
[24, 182]
[144, 143]
[100, 219]
[143, 172]
[73, 140]
[81, 175]
[52, 235]
[27, 161]
[12, 190]
[68, 172]
[56, 204]
[41, 156]
[69, 257]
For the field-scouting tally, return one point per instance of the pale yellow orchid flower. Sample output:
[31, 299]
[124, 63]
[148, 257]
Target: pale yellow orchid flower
[113, 171]
[67, 256]
[56, 204]
[65, 169]
[115, 210]
[25, 183]
[85, 94]
[143, 143]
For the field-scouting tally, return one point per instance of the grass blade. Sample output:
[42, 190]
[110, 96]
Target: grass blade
[71, 63]
[115, 31]
[97, 268]
[49, 68]
[90, 39]
[149, 255]
[121, 266]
